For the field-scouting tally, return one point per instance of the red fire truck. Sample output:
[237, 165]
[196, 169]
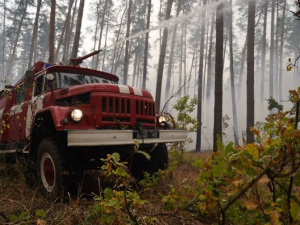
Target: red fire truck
[66, 118]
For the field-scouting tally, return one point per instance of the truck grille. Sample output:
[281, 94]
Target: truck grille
[127, 111]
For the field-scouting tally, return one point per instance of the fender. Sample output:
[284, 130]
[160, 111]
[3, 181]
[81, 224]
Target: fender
[57, 114]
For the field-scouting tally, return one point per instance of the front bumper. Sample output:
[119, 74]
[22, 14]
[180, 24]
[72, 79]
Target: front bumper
[120, 137]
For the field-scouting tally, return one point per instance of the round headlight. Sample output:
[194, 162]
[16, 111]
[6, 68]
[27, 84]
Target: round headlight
[161, 119]
[76, 115]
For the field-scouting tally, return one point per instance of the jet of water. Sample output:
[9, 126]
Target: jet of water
[171, 22]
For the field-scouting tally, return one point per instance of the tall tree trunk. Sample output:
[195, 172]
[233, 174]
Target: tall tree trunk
[234, 113]
[77, 32]
[281, 50]
[52, 32]
[95, 35]
[34, 33]
[146, 46]
[200, 79]
[3, 39]
[263, 56]
[115, 48]
[68, 36]
[161, 61]
[101, 31]
[180, 63]
[209, 61]
[241, 72]
[126, 59]
[170, 64]
[14, 48]
[250, 70]
[276, 55]
[66, 23]
[218, 109]
[184, 58]
[105, 42]
[271, 80]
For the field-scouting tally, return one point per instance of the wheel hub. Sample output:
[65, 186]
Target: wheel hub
[47, 170]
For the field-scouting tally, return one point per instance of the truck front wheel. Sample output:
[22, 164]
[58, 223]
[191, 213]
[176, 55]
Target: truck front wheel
[158, 161]
[50, 169]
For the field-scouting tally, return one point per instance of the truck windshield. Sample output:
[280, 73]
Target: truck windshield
[64, 80]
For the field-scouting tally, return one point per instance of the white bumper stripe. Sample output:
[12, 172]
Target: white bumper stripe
[120, 137]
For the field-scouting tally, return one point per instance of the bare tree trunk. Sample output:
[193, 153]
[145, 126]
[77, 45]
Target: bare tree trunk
[105, 43]
[250, 70]
[271, 81]
[146, 45]
[218, 110]
[64, 29]
[115, 48]
[34, 33]
[101, 32]
[12, 56]
[200, 79]
[95, 35]
[180, 62]
[52, 32]
[69, 30]
[276, 56]
[209, 61]
[126, 59]
[234, 113]
[184, 58]
[170, 64]
[243, 58]
[162, 55]
[3, 39]
[77, 32]
[263, 57]
[281, 50]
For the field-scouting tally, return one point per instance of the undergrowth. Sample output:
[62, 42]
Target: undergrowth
[256, 183]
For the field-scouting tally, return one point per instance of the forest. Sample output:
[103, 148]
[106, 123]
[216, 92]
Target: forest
[166, 45]
[226, 69]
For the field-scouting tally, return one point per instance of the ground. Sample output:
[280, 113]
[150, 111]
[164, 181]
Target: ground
[21, 204]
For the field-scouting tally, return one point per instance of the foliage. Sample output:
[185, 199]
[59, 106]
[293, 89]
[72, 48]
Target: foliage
[185, 107]
[273, 104]
[120, 204]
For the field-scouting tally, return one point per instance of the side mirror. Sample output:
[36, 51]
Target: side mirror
[50, 77]
[7, 86]
[29, 78]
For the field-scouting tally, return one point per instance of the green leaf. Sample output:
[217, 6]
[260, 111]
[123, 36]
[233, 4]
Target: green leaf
[40, 213]
[295, 211]
[116, 157]
[252, 150]
[297, 179]
[108, 193]
[13, 218]
[144, 154]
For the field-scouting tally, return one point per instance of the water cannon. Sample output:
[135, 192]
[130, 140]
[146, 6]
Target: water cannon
[77, 61]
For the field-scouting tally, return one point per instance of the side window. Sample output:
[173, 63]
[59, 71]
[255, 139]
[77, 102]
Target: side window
[20, 94]
[38, 86]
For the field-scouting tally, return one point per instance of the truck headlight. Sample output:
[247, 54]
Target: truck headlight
[76, 115]
[161, 119]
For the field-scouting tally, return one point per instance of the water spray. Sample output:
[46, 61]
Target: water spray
[171, 22]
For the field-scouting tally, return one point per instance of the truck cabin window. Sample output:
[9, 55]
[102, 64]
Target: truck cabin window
[38, 86]
[20, 94]
[65, 80]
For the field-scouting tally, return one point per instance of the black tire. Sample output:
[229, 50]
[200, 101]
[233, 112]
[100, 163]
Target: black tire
[50, 169]
[158, 161]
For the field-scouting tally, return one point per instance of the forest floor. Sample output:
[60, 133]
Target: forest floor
[20, 204]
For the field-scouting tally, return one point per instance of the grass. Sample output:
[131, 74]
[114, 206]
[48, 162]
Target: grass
[20, 204]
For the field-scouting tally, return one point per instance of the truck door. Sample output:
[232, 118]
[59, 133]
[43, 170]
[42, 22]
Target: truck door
[17, 114]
